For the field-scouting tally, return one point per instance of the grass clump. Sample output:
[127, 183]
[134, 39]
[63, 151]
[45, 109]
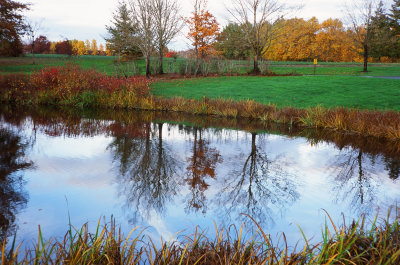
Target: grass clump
[358, 243]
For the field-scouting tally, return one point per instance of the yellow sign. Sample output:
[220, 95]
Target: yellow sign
[315, 61]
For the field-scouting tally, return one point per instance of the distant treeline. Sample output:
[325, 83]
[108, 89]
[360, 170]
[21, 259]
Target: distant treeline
[41, 45]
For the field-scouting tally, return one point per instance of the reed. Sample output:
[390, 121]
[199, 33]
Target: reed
[377, 242]
[73, 86]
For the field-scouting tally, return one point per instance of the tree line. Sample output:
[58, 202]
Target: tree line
[41, 45]
[257, 30]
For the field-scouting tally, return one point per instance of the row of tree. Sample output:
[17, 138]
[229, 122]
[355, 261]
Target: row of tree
[258, 30]
[41, 45]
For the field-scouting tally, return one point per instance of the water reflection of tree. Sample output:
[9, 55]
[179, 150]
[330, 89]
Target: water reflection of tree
[147, 169]
[202, 164]
[259, 188]
[354, 184]
[392, 165]
[12, 195]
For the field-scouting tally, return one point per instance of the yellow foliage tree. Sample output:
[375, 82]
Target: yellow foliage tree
[53, 47]
[334, 43]
[78, 47]
[304, 40]
[109, 50]
[101, 48]
[295, 41]
[94, 48]
[87, 46]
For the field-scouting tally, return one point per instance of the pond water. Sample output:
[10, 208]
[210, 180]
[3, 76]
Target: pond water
[167, 173]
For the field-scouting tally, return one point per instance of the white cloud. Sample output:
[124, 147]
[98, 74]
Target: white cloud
[86, 19]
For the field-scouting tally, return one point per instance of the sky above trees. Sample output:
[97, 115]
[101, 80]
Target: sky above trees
[77, 19]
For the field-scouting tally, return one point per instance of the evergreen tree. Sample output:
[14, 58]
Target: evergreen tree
[383, 41]
[121, 32]
[394, 16]
[231, 42]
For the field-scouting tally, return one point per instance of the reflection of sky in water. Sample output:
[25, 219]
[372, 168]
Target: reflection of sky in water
[292, 182]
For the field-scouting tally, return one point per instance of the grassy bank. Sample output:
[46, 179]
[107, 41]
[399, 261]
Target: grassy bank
[77, 87]
[357, 243]
[293, 91]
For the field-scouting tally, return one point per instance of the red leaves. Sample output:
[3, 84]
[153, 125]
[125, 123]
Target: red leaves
[72, 80]
[203, 30]
[171, 55]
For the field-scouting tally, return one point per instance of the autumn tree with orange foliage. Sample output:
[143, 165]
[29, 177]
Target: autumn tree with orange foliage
[304, 40]
[203, 31]
[334, 43]
[295, 40]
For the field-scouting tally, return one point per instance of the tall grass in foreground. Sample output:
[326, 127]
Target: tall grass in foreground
[73, 86]
[357, 243]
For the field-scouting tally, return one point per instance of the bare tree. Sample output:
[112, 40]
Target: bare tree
[33, 28]
[143, 20]
[258, 18]
[359, 14]
[168, 24]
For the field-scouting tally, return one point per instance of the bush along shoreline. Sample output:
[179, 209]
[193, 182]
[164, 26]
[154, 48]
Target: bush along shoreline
[77, 87]
[377, 242]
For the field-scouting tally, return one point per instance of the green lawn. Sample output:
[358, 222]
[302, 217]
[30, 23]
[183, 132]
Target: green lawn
[109, 65]
[295, 91]
[373, 70]
[100, 63]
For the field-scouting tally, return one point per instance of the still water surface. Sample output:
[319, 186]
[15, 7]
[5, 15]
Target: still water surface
[171, 173]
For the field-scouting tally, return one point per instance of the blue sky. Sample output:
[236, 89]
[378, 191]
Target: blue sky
[86, 19]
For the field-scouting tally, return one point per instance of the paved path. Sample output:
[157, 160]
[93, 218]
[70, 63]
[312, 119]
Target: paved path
[368, 76]
[385, 77]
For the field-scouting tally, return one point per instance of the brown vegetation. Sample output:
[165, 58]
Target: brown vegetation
[357, 243]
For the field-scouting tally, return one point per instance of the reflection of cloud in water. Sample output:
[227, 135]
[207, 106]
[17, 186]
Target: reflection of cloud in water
[71, 147]
[139, 172]
[158, 223]
[81, 172]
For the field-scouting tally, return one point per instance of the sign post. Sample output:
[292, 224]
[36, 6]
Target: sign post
[315, 65]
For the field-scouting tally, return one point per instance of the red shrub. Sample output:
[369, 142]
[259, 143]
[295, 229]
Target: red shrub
[171, 55]
[72, 80]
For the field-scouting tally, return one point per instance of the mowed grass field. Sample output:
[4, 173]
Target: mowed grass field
[109, 65]
[336, 84]
[24, 64]
[295, 91]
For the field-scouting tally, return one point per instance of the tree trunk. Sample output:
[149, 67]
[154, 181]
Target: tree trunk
[365, 58]
[256, 69]
[33, 54]
[147, 66]
[360, 177]
[253, 143]
[196, 60]
[160, 62]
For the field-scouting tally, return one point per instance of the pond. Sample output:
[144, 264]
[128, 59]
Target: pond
[169, 172]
